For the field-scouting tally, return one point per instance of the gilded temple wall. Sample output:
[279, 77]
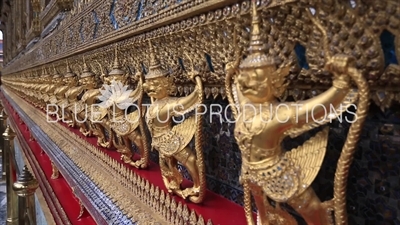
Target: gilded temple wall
[367, 30]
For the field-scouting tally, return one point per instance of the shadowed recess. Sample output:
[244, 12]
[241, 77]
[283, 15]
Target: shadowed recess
[180, 61]
[113, 20]
[388, 47]
[139, 11]
[143, 68]
[209, 62]
[96, 22]
[300, 51]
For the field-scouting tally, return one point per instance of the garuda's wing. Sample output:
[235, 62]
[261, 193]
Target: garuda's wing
[97, 113]
[348, 101]
[74, 92]
[63, 103]
[308, 158]
[185, 131]
[46, 97]
[123, 126]
[53, 99]
[178, 138]
[77, 107]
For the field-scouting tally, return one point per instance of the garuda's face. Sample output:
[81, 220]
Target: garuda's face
[58, 81]
[156, 88]
[70, 81]
[87, 81]
[116, 78]
[255, 85]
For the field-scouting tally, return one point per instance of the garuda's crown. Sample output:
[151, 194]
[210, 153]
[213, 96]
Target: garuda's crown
[257, 51]
[155, 69]
[86, 71]
[69, 72]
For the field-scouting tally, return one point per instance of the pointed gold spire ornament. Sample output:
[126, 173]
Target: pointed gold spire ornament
[86, 72]
[56, 75]
[25, 188]
[155, 69]
[3, 125]
[116, 67]
[9, 170]
[257, 50]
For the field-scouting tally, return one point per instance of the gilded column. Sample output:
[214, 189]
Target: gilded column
[25, 188]
[10, 169]
[3, 119]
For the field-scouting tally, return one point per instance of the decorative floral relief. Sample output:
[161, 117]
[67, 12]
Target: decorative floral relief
[103, 13]
[126, 11]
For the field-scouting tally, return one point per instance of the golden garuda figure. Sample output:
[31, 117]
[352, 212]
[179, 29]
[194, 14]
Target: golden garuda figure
[36, 83]
[88, 91]
[23, 85]
[268, 172]
[69, 82]
[126, 113]
[55, 82]
[82, 101]
[72, 96]
[171, 141]
[29, 85]
[45, 79]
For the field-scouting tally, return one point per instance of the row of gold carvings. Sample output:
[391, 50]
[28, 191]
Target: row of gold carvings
[51, 89]
[122, 185]
[42, 92]
[212, 34]
[288, 18]
[382, 98]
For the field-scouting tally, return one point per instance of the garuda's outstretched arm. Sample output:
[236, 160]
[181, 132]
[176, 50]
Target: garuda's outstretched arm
[307, 111]
[232, 88]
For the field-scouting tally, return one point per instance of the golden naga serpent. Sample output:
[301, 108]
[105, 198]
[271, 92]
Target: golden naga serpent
[228, 78]
[228, 89]
[349, 148]
[198, 138]
[145, 141]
